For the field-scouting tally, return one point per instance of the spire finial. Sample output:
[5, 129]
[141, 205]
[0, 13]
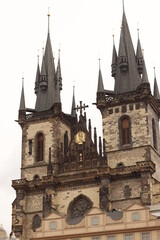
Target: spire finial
[22, 79]
[43, 48]
[74, 87]
[138, 29]
[38, 57]
[99, 63]
[113, 36]
[154, 71]
[59, 51]
[48, 18]
[123, 6]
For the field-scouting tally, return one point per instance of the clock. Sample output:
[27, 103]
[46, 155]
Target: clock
[80, 137]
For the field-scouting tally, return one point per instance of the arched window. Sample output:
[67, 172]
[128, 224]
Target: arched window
[40, 147]
[120, 165]
[36, 177]
[125, 130]
[36, 222]
[154, 134]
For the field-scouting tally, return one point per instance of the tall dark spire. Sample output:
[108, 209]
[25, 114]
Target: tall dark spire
[139, 56]
[144, 75]
[58, 72]
[114, 60]
[156, 89]
[37, 81]
[22, 100]
[127, 76]
[58, 81]
[100, 87]
[73, 109]
[47, 94]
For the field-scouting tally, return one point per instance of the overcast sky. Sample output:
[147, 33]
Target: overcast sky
[84, 29]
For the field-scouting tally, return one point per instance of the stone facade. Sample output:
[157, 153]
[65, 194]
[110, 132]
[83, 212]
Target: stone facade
[67, 178]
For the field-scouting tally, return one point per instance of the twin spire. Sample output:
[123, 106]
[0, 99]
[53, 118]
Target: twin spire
[127, 68]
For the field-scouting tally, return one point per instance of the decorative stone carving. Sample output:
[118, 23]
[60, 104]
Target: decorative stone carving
[79, 206]
[104, 195]
[47, 204]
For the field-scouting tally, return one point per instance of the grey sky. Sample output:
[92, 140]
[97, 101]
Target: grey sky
[84, 30]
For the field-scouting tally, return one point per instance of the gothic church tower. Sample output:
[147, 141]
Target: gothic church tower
[62, 171]
[60, 160]
[130, 118]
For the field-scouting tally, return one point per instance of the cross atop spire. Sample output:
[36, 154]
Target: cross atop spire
[81, 107]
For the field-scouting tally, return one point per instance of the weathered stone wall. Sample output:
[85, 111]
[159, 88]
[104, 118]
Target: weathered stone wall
[53, 130]
[139, 130]
[153, 115]
[28, 227]
[34, 203]
[117, 190]
[156, 192]
[63, 198]
[124, 204]
[155, 157]
[128, 156]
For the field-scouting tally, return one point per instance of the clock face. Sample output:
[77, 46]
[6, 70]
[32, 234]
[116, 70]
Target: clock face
[80, 137]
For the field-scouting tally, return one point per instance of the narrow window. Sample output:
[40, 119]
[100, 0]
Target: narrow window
[53, 225]
[125, 131]
[145, 236]
[111, 238]
[40, 147]
[129, 237]
[94, 221]
[30, 146]
[154, 134]
[65, 142]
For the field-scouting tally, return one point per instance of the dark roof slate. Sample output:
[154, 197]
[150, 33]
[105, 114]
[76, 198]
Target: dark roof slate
[129, 80]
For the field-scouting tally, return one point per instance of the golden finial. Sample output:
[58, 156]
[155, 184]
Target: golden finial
[48, 12]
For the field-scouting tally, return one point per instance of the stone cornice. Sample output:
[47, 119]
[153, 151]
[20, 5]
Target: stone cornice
[80, 178]
[141, 94]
